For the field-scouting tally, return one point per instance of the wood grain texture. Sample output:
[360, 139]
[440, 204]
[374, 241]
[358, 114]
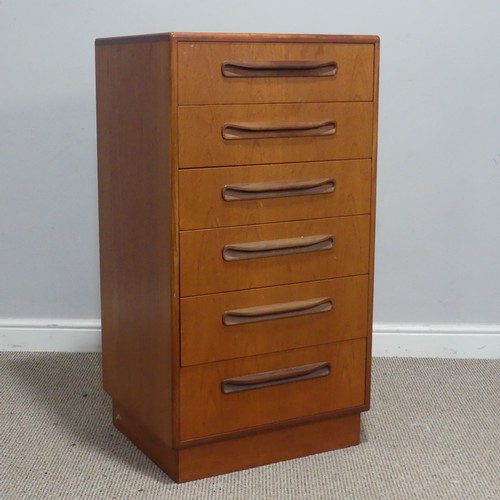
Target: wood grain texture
[275, 37]
[204, 337]
[350, 197]
[162, 229]
[278, 69]
[201, 143]
[278, 247]
[200, 387]
[201, 80]
[135, 231]
[237, 37]
[267, 447]
[272, 378]
[161, 453]
[203, 269]
[277, 130]
[251, 450]
[275, 311]
[277, 189]
[173, 250]
[376, 66]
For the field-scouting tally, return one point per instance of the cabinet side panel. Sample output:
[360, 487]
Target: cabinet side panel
[372, 222]
[135, 230]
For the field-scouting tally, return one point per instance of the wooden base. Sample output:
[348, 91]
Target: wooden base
[229, 455]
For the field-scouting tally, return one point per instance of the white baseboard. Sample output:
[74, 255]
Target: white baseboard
[434, 340]
[51, 335]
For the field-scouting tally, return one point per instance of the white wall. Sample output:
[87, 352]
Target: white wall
[438, 237]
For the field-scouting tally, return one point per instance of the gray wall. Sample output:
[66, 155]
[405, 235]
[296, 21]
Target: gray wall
[439, 152]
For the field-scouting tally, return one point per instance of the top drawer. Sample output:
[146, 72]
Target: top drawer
[234, 73]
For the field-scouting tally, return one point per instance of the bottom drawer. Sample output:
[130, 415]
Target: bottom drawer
[242, 393]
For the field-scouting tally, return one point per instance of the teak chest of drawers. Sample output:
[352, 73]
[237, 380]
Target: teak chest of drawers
[237, 216]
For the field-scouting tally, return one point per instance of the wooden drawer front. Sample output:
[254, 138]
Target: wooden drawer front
[348, 76]
[232, 196]
[348, 129]
[205, 410]
[236, 324]
[204, 269]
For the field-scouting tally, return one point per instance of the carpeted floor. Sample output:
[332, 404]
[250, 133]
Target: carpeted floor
[433, 432]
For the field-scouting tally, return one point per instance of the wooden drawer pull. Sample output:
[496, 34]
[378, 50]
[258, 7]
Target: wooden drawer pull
[288, 246]
[276, 377]
[259, 69]
[279, 189]
[272, 130]
[277, 311]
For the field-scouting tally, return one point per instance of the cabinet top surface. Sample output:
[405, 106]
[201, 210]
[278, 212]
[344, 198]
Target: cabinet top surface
[238, 37]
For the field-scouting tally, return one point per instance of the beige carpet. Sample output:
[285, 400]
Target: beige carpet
[433, 432]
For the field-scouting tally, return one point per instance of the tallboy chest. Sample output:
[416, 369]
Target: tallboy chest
[237, 213]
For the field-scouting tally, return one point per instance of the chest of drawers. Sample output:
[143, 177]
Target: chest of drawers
[237, 215]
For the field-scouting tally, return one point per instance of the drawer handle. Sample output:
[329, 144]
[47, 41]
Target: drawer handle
[272, 130]
[279, 189]
[259, 69]
[277, 311]
[271, 248]
[276, 377]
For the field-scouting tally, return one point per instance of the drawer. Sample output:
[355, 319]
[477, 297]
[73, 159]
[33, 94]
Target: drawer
[233, 196]
[219, 135]
[302, 382]
[236, 324]
[231, 73]
[237, 258]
